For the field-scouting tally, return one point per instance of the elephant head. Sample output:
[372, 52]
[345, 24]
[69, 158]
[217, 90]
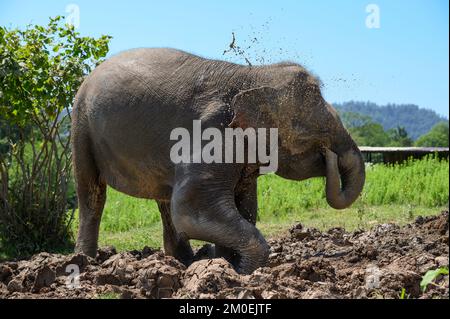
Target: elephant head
[312, 139]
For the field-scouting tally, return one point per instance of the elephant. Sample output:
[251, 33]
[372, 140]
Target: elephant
[123, 115]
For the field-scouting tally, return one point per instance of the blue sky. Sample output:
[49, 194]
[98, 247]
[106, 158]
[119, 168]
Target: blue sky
[405, 60]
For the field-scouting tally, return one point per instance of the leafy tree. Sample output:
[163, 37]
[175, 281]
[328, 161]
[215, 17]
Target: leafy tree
[399, 137]
[41, 68]
[364, 130]
[437, 136]
[352, 119]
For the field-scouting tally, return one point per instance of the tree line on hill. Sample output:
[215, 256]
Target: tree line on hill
[416, 121]
[366, 132]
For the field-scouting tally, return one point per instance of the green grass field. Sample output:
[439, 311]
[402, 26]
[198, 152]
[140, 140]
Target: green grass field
[396, 193]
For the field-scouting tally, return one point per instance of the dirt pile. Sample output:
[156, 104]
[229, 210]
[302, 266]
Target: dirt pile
[305, 264]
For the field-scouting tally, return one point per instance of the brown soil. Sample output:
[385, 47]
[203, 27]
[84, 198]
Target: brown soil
[306, 264]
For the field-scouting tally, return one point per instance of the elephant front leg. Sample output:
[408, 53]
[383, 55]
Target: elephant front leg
[247, 205]
[204, 209]
[175, 245]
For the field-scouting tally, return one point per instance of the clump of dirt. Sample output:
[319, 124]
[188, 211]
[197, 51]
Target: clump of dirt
[307, 263]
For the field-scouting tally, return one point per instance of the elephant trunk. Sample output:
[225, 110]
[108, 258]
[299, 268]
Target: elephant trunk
[345, 176]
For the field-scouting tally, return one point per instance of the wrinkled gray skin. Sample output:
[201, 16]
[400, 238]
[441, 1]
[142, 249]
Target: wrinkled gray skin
[122, 119]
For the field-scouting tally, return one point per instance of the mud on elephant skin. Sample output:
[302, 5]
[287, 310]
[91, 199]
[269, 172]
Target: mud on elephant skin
[126, 109]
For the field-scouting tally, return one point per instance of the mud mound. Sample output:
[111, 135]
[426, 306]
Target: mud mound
[306, 264]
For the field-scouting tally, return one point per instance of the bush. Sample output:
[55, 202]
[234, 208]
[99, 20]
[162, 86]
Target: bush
[41, 69]
[437, 136]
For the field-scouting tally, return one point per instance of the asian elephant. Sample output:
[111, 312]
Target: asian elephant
[122, 119]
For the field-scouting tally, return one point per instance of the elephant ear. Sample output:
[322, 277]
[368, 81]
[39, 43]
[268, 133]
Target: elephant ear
[255, 108]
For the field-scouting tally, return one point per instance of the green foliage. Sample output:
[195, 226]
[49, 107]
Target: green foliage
[139, 213]
[437, 136]
[431, 275]
[419, 182]
[366, 132]
[403, 294]
[370, 134]
[399, 137]
[351, 119]
[41, 69]
[414, 182]
[415, 120]
[109, 295]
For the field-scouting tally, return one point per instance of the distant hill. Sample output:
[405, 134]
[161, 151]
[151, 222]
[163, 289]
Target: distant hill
[415, 120]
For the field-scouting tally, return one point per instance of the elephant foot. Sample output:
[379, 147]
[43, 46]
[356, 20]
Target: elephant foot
[228, 254]
[246, 260]
[87, 249]
[207, 251]
[253, 256]
[182, 251]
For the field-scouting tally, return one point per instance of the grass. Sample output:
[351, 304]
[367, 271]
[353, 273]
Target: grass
[109, 295]
[321, 218]
[416, 182]
[393, 193]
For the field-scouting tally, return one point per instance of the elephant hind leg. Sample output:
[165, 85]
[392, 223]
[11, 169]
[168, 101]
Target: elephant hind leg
[91, 191]
[174, 244]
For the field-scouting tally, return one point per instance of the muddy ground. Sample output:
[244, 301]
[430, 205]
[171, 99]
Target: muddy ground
[306, 263]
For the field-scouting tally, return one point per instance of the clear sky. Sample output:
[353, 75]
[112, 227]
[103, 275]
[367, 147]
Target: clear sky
[404, 60]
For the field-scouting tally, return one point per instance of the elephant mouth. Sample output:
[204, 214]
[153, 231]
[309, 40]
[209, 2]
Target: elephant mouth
[302, 166]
